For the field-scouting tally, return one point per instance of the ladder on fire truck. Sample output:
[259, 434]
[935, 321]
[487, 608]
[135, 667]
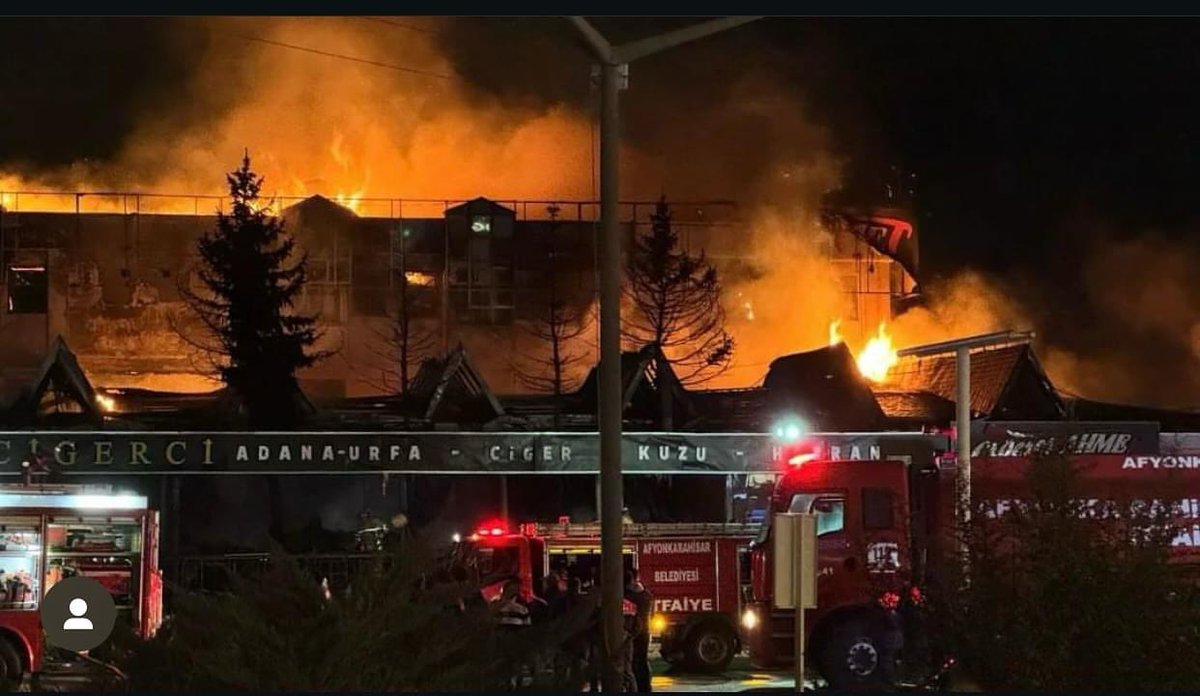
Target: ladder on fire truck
[574, 530]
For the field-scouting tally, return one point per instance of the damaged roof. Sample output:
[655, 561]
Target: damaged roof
[640, 383]
[824, 387]
[914, 407]
[60, 377]
[1007, 383]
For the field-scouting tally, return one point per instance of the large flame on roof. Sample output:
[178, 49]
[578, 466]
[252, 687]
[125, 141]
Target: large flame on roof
[876, 358]
[879, 356]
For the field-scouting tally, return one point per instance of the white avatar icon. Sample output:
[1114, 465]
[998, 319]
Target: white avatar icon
[78, 622]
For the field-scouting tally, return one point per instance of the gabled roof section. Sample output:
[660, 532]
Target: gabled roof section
[640, 382]
[318, 208]
[480, 206]
[61, 378]
[824, 387]
[1007, 382]
[731, 410]
[452, 389]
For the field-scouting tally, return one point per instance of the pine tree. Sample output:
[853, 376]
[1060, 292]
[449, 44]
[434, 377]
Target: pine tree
[676, 302]
[250, 281]
[557, 324]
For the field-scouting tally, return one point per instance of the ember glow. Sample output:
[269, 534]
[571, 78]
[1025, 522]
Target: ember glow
[878, 357]
[106, 403]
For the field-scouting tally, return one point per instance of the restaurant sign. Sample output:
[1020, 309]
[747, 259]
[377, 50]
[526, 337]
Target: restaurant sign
[421, 452]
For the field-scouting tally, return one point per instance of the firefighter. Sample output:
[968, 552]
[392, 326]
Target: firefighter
[629, 610]
[643, 601]
[555, 591]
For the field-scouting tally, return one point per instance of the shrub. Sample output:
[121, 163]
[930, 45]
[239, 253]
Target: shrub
[1059, 593]
[393, 629]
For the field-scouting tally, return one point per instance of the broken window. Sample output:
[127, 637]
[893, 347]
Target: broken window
[28, 290]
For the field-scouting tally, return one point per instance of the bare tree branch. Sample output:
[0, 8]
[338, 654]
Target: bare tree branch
[676, 301]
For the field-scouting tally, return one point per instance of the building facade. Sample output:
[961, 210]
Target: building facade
[105, 272]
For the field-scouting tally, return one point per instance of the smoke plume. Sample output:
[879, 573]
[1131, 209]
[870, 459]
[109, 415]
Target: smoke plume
[419, 123]
[316, 124]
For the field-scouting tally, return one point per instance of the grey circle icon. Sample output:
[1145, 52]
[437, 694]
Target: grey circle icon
[78, 614]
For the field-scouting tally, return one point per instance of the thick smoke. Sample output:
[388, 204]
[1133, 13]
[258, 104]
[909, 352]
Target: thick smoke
[965, 304]
[1145, 346]
[318, 124]
[696, 127]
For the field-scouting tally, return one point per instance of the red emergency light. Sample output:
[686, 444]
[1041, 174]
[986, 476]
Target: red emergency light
[493, 528]
[802, 452]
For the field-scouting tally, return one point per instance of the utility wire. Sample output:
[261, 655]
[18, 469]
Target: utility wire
[339, 56]
[400, 25]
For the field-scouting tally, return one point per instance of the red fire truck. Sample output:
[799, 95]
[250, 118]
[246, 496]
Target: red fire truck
[881, 526]
[48, 533]
[694, 572]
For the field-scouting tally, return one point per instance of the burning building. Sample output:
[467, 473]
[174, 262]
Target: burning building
[105, 271]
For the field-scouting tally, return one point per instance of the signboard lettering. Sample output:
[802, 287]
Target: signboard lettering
[1024, 439]
[681, 604]
[1169, 462]
[416, 452]
[691, 575]
[677, 547]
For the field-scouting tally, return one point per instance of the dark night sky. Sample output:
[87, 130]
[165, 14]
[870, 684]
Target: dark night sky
[1037, 143]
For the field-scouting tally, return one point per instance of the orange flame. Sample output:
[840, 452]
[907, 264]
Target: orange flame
[835, 332]
[878, 357]
[353, 201]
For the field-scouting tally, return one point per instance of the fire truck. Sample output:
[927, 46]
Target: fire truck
[48, 533]
[694, 570]
[881, 528]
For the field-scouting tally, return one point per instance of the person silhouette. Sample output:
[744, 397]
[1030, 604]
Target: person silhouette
[78, 622]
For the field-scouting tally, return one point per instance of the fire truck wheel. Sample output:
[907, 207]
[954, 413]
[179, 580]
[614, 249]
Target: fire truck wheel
[10, 666]
[853, 658]
[710, 647]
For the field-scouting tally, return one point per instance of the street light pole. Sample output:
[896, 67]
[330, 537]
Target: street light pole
[614, 76]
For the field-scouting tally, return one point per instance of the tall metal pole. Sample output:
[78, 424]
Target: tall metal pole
[613, 73]
[962, 429]
[609, 407]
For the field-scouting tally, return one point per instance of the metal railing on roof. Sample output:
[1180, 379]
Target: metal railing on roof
[712, 212]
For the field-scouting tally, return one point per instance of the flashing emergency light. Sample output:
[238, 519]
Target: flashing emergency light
[790, 429]
[456, 538]
[802, 458]
[749, 619]
[493, 528]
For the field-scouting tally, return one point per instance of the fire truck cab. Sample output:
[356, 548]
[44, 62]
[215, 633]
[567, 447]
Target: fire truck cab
[865, 561]
[48, 533]
[883, 528]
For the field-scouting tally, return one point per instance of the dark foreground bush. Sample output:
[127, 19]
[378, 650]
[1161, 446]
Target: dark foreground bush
[393, 630]
[1062, 593]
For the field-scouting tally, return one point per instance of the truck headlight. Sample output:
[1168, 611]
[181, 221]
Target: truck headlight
[749, 619]
[658, 624]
